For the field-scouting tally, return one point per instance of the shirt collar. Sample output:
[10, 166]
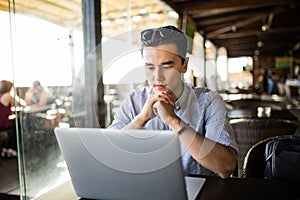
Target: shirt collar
[184, 94]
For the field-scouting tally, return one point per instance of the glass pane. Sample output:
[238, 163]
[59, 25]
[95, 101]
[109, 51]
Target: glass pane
[9, 181]
[47, 55]
[53, 68]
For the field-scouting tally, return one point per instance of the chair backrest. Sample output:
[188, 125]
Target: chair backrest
[3, 137]
[254, 161]
[255, 103]
[247, 132]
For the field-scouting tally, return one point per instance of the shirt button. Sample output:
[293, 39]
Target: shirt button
[177, 107]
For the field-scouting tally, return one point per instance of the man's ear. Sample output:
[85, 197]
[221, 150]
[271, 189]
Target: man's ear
[141, 50]
[185, 65]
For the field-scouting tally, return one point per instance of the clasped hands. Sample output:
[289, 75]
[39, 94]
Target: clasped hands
[160, 104]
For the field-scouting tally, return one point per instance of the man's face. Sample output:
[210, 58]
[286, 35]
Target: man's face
[163, 68]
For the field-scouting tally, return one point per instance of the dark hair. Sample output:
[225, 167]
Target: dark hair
[5, 86]
[36, 83]
[165, 35]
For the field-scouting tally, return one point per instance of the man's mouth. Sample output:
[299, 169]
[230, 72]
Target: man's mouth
[159, 86]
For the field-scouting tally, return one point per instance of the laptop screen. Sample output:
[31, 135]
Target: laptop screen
[119, 164]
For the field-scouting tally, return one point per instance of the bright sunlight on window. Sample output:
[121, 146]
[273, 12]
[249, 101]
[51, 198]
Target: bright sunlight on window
[42, 51]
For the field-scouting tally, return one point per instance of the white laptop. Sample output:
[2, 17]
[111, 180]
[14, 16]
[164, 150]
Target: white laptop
[131, 164]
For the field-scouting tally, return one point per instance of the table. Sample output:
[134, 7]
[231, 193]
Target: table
[249, 188]
[216, 188]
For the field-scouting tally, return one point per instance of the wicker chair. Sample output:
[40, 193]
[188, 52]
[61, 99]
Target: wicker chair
[247, 132]
[255, 103]
[254, 162]
[3, 137]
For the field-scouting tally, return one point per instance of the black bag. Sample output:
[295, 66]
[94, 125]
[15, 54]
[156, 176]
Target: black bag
[282, 158]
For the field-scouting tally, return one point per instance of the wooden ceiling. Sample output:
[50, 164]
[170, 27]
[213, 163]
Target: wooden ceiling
[66, 13]
[234, 24]
[237, 24]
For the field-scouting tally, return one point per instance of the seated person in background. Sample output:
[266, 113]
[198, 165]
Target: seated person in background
[37, 95]
[198, 115]
[7, 122]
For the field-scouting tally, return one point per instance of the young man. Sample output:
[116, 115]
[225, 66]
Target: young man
[198, 115]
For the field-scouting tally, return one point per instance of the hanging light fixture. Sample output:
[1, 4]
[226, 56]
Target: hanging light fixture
[259, 44]
[142, 11]
[265, 27]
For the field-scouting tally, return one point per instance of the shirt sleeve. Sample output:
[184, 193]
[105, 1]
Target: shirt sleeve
[122, 116]
[130, 107]
[217, 125]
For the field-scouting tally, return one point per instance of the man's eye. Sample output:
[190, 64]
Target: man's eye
[167, 67]
[149, 67]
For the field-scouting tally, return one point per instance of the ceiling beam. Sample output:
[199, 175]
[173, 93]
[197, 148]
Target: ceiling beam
[220, 19]
[254, 33]
[270, 20]
[214, 7]
[3, 8]
[233, 26]
[242, 23]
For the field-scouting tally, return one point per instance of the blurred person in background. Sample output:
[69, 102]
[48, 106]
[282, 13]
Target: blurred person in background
[7, 120]
[38, 96]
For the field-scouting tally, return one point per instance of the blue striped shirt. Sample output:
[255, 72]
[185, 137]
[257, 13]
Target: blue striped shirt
[204, 110]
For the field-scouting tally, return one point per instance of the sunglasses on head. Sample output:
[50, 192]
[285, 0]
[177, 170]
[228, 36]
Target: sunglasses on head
[163, 32]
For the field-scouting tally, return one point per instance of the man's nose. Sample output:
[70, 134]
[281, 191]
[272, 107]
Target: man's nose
[159, 76]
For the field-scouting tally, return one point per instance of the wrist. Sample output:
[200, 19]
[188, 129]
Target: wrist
[174, 124]
[178, 125]
[138, 121]
[183, 128]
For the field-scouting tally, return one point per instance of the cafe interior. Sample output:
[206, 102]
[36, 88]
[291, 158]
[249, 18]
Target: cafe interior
[77, 49]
